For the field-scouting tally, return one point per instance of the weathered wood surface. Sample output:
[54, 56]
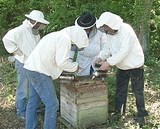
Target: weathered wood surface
[85, 94]
[84, 102]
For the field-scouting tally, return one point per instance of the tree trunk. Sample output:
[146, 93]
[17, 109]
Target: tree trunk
[142, 11]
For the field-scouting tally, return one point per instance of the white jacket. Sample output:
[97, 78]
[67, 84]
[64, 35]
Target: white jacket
[21, 41]
[86, 57]
[123, 48]
[51, 56]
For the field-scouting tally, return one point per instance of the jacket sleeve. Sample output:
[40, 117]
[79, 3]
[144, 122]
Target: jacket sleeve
[105, 50]
[126, 44]
[62, 56]
[103, 40]
[10, 41]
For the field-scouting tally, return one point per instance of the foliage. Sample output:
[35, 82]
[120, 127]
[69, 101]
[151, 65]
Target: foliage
[154, 46]
[8, 77]
[111, 79]
[64, 13]
[8, 82]
[152, 76]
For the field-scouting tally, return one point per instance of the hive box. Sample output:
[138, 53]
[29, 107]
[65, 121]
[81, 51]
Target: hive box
[84, 102]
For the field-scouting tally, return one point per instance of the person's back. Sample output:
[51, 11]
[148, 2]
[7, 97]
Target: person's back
[46, 53]
[46, 63]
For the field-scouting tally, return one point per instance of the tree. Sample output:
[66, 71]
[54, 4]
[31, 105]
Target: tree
[141, 20]
[64, 12]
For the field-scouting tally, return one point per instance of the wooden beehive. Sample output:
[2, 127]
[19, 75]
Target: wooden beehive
[84, 102]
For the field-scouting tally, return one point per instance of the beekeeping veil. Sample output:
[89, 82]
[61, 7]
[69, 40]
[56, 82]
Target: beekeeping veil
[78, 36]
[112, 20]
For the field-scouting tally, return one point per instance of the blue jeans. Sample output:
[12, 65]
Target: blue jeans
[137, 82]
[41, 88]
[21, 90]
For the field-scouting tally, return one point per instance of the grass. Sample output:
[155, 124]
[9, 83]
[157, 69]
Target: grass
[8, 84]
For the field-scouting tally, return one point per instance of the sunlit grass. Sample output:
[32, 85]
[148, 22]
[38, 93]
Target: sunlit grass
[8, 82]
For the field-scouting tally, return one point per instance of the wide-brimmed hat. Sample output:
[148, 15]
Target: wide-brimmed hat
[37, 16]
[86, 20]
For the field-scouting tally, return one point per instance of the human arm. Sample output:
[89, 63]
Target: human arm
[62, 56]
[121, 48]
[104, 66]
[12, 47]
[105, 49]
[10, 42]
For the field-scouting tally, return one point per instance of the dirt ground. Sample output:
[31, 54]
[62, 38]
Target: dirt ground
[8, 118]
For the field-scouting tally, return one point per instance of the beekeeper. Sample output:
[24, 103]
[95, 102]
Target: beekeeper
[21, 41]
[46, 62]
[86, 57]
[123, 50]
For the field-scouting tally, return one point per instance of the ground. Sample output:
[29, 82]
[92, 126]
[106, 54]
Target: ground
[8, 118]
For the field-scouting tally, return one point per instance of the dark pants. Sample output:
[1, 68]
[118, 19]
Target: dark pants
[91, 70]
[137, 82]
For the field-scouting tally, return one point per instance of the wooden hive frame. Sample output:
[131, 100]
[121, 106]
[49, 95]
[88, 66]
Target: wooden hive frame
[84, 102]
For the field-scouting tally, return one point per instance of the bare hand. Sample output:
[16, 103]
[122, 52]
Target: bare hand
[77, 69]
[104, 66]
[98, 60]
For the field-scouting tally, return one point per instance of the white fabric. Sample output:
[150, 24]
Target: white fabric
[124, 48]
[78, 36]
[112, 20]
[51, 56]
[37, 16]
[86, 57]
[18, 52]
[21, 39]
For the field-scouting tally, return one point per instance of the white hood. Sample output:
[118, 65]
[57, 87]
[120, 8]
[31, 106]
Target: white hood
[112, 20]
[78, 36]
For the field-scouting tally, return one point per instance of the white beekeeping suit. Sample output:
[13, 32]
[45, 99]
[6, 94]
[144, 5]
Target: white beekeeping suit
[123, 46]
[51, 56]
[20, 41]
[86, 57]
